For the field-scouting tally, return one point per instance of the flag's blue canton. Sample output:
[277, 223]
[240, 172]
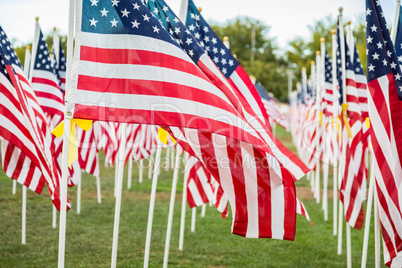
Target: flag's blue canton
[339, 64]
[381, 55]
[328, 68]
[398, 42]
[300, 96]
[42, 60]
[176, 28]
[357, 65]
[7, 54]
[262, 91]
[122, 17]
[60, 66]
[208, 39]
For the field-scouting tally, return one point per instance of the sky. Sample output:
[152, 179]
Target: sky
[287, 18]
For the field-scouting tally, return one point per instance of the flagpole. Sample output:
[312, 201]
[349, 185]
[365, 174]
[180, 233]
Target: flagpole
[203, 208]
[34, 49]
[150, 166]
[323, 130]
[141, 170]
[98, 189]
[193, 218]
[152, 202]
[318, 134]
[118, 190]
[183, 203]
[167, 158]
[395, 24]
[172, 157]
[343, 66]
[130, 171]
[377, 237]
[183, 11]
[24, 188]
[116, 171]
[171, 207]
[368, 213]
[333, 128]
[79, 192]
[14, 191]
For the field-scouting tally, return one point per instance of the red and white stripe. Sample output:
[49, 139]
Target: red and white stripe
[199, 190]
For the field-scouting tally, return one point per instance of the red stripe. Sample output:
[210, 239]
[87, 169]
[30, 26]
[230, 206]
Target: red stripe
[137, 57]
[44, 81]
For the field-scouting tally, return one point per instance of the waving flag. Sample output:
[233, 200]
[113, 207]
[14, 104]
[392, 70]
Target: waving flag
[199, 190]
[353, 184]
[60, 61]
[272, 108]
[384, 102]
[28, 155]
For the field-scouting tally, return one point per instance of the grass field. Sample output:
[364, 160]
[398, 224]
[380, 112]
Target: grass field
[89, 235]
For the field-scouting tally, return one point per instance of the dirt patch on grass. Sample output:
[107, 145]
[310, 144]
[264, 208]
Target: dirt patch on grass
[304, 192]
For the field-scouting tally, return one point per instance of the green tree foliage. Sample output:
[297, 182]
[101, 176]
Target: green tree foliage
[267, 67]
[20, 50]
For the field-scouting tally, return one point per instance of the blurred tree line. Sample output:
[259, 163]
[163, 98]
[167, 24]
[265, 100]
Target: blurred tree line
[271, 62]
[266, 61]
[20, 50]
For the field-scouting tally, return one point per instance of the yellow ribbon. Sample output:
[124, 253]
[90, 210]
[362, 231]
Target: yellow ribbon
[345, 119]
[58, 131]
[320, 116]
[163, 136]
[367, 122]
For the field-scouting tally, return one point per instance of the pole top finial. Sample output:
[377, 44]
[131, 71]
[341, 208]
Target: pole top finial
[199, 9]
[317, 53]
[54, 29]
[349, 22]
[312, 62]
[235, 56]
[322, 39]
[333, 31]
[225, 38]
[28, 46]
[303, 69]
[37, 19]
[340, 10]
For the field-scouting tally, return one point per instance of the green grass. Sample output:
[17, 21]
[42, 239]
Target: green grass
[89, 235]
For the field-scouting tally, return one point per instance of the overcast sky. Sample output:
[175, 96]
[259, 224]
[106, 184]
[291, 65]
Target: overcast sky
[287, 18]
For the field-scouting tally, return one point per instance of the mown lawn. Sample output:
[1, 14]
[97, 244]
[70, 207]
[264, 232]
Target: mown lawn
[89, 235]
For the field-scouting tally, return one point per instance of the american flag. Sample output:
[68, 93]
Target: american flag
[272, 108]
[27, 148]
[329, 96]
[199, 189]
[246, 105]
[352, 166]
[60, 61]
[384, 105]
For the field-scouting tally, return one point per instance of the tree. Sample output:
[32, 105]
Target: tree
[267, 66]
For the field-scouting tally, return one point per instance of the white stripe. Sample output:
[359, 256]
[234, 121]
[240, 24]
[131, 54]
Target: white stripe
[35, 179]
[128, 41]
[277, 198]
[251, 187]
[46, 75]
[192, 187]
[204, 183]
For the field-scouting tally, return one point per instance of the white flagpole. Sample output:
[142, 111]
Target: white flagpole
[171, 208]
[323, 131]
[348, 247]
[172, 158]
[98, 189]
[203, 208]
[167, 158]
[141, 170]
[318, 111]
[394, 29]
[116, 171]
[343, 64]
[24, 214]
[183, 11]
[24, 188]
[377, 238]
[14, 187]
[54, 217]
[152, 203]
[193, 218]
[333, 128]
[368, 214]
[79, 192]
[184, 203]
[118, 190]
[130, 171]
[150, 166]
